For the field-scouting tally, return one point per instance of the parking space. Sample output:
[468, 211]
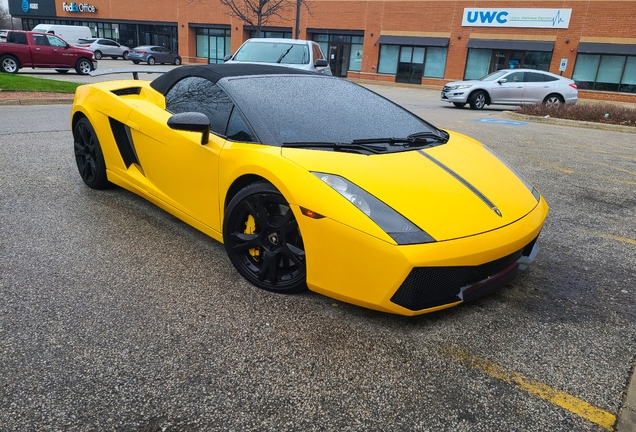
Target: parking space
[115, 315]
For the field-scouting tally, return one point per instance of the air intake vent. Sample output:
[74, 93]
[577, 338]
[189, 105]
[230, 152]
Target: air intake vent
[123, 142]
[127, 91]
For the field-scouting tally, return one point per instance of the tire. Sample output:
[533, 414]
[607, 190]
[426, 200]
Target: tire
[83, 66]
[177, 61]
[151, 61]
[125, 56]
[477, 100]
[9, 64]
[88, 156]
[61, 71]
[459, 104]
[553, 101]
[263, 240]
[135, 61]
[114, 57]
[98, 55]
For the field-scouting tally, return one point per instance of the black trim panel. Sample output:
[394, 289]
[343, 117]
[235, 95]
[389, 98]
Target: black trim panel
[413, 41]
[511, 45]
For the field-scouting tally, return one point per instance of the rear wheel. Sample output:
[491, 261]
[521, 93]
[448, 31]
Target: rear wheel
[125, 56]
[263, 240]
[98, 55]
[135, 61]
[459, 104]
[9, 64]
[88, 155]
[477, 100]
[83, 67]
[151, 61]
[552, 101]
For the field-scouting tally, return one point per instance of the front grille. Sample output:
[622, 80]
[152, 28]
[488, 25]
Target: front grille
[446, 89]
[427, 287]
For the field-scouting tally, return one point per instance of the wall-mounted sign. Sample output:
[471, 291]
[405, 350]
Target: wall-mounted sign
[78, 7]
[27, 6]
[24, 8]
[514, 17]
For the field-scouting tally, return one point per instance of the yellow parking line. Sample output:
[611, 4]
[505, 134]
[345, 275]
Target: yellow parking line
[564, 400]
[617, 238]
[556, 167]
[611, 179]
[610, 166]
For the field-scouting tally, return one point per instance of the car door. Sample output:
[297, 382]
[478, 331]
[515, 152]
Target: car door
[536, 88]
[509, 92]
[42, 52]
[178, 169]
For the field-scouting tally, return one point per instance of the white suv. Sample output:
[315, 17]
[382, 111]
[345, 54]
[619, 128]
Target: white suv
[512, 87]
[104, 48]
[296, 53]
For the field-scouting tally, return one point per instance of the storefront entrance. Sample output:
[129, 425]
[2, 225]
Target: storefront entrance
[504, 59]
[339, 58]
[410, 65]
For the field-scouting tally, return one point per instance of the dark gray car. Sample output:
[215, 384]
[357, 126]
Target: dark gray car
[152, 54]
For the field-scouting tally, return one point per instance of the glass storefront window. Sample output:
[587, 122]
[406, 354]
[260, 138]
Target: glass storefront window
[477, 63]
[213, 44]
[605, 72]
[629, 76]
[355, 59]
[435, 62]
[585, 70]
[609, 72]
[388, 59]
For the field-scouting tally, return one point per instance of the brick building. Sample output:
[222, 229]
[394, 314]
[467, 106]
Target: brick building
[415, 41]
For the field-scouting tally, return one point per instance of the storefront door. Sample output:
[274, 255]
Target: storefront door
[505, 59]
[339, 58]
[410, 65]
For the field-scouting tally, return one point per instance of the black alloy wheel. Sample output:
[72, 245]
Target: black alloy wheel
[263, 240]
[88, 155]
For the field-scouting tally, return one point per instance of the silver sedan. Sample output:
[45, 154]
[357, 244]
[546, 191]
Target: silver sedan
[512, 87]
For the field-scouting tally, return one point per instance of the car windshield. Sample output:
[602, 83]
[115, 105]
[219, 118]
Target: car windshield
[493, 76]
[273, 52]
[294, 109]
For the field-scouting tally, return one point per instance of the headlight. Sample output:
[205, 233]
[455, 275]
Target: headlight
[394, 224]
[462, 86]
[531, 188]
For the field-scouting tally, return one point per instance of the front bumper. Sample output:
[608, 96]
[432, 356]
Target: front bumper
[457, 96]
[349, 265]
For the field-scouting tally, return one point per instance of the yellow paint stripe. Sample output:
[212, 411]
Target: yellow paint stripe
[556, 167]
[609, 166]
[617, 238]
[564, 400]
[612, 179]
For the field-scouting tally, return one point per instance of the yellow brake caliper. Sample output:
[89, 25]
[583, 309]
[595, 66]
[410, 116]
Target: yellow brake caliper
[250, 228]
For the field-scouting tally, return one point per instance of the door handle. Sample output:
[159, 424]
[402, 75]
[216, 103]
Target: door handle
[37, 49]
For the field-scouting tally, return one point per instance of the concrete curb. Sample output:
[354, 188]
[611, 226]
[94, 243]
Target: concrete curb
[36, 101]
[573, 123]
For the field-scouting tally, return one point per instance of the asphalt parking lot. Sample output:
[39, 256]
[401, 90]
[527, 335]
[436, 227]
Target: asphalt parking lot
[116, 316]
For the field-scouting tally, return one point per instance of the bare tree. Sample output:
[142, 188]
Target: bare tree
[5, 18]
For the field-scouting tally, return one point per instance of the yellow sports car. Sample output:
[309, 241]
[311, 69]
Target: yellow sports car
[357, 199]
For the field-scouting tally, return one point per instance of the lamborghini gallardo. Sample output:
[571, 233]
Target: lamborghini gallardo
[362, 201]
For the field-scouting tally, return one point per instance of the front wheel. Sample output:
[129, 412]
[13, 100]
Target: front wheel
[477, 100]
[83, 67]
[125, 56]
[88, 155]
[135, 61]
[9, 64]
[552, 101]
[151, 61]
[263, 240]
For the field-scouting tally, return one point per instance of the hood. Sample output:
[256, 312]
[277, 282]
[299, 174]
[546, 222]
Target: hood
[454, 190]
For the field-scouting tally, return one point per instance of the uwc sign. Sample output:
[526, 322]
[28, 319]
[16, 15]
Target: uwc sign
[514, 17]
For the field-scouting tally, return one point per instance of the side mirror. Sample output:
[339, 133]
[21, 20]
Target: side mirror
[191, 122]
[227, 57]
[503, 80]
[321, 63]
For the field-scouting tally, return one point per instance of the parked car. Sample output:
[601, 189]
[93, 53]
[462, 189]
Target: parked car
[296, 53]
[69, 33]
[104, 47]
[364, 201]
[512, 87]
[152, 54]
[41, 50]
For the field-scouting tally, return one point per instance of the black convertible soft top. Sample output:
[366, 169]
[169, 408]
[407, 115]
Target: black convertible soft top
[215, 72]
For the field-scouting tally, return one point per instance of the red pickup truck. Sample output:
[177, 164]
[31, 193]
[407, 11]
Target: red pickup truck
[42, 50]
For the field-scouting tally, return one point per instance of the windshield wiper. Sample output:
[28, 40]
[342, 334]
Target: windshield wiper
[282, 56]
[352, 147]
[415, 139]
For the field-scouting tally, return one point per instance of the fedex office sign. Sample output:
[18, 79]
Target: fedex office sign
[515, 17]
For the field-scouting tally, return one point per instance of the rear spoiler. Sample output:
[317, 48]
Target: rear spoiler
[133, 70]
